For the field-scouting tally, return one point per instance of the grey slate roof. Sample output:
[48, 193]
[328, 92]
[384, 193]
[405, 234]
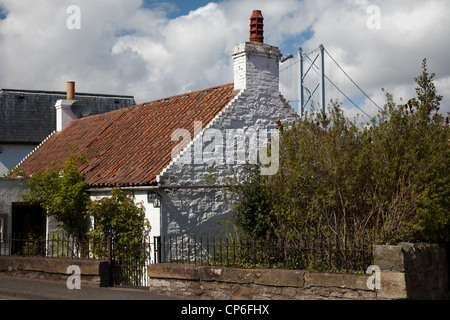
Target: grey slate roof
[28, 116]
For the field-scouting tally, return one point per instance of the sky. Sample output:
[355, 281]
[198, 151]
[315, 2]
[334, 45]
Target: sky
[154, 49]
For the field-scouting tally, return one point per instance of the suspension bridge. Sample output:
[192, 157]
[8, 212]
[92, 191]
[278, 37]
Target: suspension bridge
[313, 78]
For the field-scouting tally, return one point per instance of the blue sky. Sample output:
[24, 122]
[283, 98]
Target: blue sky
[154, 49]
[180, 7]
[2, 13]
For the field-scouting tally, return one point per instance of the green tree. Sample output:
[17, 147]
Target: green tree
[63, 194]
[385, 181]
[119, 217]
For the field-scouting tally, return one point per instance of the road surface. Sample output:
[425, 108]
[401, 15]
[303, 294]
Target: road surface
[33, 289]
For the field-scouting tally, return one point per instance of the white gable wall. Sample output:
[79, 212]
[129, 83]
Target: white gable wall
[189, 207]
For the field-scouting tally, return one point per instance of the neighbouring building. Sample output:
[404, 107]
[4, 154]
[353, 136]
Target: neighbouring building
[177, 154]
[28, 117]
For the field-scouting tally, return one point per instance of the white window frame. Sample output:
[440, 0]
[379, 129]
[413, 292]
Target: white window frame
[2, 223]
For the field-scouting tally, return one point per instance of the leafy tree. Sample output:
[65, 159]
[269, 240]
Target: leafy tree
[63, 194]
[385, 182]
[119, 217]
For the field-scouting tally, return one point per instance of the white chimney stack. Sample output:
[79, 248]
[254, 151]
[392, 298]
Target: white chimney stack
[256, 64]
[64, 114]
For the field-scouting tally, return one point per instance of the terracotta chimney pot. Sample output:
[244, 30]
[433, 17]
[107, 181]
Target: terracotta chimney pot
[257, 27]
[70, 90]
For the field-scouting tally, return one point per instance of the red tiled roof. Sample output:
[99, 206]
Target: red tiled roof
[130, 146]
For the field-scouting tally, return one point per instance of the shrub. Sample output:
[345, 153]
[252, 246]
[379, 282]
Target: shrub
[383, 182]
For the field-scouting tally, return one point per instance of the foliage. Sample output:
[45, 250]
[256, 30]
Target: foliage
[34, 246]
[384, 182]
[63, 194]
[120, 218]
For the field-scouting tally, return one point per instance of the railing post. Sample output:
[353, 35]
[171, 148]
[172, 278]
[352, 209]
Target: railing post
[110, 257]
[157, 249]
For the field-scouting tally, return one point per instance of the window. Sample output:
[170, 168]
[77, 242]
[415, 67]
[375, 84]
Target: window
[1, 228]
[153, 197]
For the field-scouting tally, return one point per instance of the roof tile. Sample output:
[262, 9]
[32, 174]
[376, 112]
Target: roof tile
[130, 146]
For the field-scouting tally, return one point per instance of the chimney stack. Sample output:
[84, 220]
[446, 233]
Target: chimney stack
[256, 64]
[64, 114]
[257, 27]
[70, 90]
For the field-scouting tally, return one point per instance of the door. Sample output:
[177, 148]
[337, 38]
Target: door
[28, 222]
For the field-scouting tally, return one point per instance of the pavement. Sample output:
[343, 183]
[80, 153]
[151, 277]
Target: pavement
[13, 288]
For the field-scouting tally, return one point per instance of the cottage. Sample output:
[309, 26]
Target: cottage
[27, 119]
[176, 154]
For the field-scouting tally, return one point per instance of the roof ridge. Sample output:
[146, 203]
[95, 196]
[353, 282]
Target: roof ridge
[58, 93]
[187, 94]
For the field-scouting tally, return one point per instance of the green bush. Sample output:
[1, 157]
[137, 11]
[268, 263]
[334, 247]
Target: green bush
[381, 182]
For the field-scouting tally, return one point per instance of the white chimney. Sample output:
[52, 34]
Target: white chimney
[256, 64]
[64, 114]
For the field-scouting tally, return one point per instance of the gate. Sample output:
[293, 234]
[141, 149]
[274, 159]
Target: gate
[129, 263]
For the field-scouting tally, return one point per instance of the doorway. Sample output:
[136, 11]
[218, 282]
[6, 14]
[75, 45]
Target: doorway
[28, 224]
[28, 219]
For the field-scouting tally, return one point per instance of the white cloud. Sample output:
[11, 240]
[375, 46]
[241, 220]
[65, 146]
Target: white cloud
[389, 57]
[124, 48]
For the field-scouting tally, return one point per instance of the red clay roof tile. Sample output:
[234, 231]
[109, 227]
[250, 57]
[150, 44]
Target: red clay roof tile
[130, 146]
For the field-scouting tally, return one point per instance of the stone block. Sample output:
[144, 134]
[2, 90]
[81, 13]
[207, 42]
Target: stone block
[5, 263]
[279, 277]
[173, 271]
[336, 280]
[28, 264]
[389, 258]
[226, 274]
[393, 286]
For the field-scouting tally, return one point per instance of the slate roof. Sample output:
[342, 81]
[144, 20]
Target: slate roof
[130, 146]
[29, 116]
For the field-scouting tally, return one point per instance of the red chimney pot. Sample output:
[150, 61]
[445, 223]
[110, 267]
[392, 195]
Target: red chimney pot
[70, 90]
[257, 27]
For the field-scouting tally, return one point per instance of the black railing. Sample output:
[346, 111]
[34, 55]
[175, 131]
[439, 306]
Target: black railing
[131, 259]
[128, 261]
[320, 256]
[54, 246]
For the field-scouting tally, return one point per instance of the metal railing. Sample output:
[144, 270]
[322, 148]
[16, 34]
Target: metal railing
[318, 255]
[130, 260]
[54, 246]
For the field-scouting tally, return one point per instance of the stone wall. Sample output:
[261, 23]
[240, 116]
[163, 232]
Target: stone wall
[223, 283]
[414, 271]
[93, 272]
[195, 212]
[406, 271]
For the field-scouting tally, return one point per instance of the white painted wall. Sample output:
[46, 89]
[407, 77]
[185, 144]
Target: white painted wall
[152, 214]
[259, 105]
[64, 114]
[10, 192]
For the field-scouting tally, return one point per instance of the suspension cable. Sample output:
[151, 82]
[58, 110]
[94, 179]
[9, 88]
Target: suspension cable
[352, 80]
